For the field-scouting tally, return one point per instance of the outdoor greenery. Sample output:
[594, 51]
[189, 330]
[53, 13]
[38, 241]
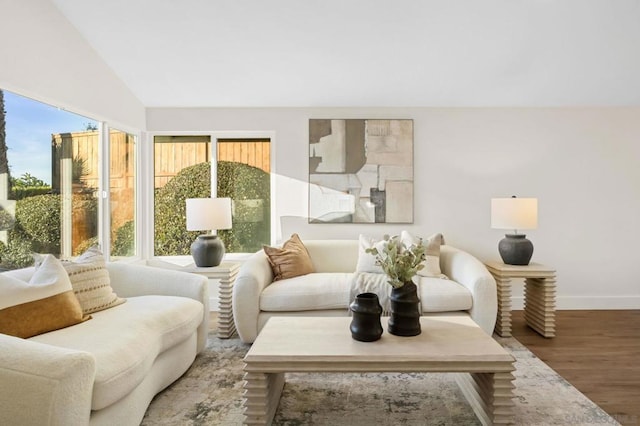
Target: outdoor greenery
[27, 180]
[4, 164]
[28, 185]
[7, 221]
[240, 182]
[37, 228]
[123, 245]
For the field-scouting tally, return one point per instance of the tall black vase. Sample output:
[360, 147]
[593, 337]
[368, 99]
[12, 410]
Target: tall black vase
[366, 311]
[405, 310]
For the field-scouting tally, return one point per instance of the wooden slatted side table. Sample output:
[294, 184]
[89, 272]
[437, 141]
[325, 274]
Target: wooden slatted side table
[539, 296]
[226, 272]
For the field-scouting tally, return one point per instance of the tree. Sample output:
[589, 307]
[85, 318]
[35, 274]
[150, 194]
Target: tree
[27, 180]
[4, 163]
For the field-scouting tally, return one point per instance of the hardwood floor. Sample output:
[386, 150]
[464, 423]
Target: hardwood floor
[598, 352]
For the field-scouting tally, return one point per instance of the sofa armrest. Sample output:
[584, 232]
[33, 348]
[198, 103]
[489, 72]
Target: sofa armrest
[255, 274]
[467, 270]
[129, 280]
[43, 384]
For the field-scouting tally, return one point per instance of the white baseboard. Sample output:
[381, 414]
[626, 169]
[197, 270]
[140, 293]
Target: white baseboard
[586, 302]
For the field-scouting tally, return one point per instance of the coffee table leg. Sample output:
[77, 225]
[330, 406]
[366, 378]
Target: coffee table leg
[490, 395]
[261, 397]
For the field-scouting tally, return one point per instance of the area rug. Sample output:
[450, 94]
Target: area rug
[210, 393]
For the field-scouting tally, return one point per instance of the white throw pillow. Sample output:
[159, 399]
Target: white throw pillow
[432, 253]
[43, 304]
[366, 261]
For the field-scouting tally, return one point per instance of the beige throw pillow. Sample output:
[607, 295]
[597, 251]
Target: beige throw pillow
[291, 260]
[367, 261]
[90, 281]
[432, 253]
[45, 303]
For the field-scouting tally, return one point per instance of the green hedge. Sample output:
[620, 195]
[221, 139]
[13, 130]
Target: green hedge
[123, 245]
[237, 181]
[37, 228]
[21, 192]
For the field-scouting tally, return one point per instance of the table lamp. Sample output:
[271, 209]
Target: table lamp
[208, 214]
[515, 213]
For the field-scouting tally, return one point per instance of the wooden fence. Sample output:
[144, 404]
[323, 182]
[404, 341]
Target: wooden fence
[74, 166]
[171, 157]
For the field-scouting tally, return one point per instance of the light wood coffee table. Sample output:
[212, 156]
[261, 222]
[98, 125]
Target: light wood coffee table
[453, 344]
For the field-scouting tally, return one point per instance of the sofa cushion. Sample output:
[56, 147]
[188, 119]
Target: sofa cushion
[290, 261]
[367, 261]
[45, 303]
[440, 295]
[126, 339]
[431, 263]
[333, 255]
[321, 290]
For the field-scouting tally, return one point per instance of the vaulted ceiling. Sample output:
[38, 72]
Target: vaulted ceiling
[228, 53]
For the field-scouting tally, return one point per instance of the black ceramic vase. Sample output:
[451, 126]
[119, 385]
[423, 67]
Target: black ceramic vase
[366, 311]
[405, 310]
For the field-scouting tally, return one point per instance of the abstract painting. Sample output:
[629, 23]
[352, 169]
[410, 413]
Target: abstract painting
[360, 171]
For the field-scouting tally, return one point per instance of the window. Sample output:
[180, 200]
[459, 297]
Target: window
[50, 163]
[182, 169]
[243, 174]
[122, 193]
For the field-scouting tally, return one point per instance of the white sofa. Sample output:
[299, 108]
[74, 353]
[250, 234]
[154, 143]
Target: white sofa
[469, 290]
[106, 371]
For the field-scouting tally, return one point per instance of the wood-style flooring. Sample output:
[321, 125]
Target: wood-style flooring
[598, 352]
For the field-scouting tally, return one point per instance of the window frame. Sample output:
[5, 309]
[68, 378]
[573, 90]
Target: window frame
[148, 220]
[104, 167]
[104, 196]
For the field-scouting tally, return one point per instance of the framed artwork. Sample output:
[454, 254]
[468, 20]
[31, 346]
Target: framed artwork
[360, 171]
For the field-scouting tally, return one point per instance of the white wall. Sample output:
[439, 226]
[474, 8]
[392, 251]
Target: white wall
[582, 165]
[42, 56]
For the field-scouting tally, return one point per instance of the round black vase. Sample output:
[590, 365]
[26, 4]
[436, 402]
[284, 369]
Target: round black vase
[515, 249]
[405, 311]
[366, 311]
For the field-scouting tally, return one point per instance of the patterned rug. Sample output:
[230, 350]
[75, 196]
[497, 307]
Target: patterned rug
[210, 393]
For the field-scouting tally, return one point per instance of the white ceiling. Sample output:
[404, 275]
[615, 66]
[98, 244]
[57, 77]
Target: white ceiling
[228, 53]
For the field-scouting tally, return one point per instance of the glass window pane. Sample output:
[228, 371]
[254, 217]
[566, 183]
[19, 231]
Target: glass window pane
[181, 170]
[48, 181]
[122, 187]
[244, 176]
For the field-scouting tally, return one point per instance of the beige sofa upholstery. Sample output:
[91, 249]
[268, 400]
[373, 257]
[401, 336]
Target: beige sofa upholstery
[105, 371]
[470, 289]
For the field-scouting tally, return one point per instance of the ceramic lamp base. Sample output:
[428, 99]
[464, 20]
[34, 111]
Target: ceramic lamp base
[515, 249]
[207, 251]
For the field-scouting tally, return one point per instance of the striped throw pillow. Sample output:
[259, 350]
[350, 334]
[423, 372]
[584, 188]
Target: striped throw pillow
[90, 281]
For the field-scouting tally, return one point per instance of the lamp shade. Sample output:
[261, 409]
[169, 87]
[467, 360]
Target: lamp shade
[208, 213]
[514, 213]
